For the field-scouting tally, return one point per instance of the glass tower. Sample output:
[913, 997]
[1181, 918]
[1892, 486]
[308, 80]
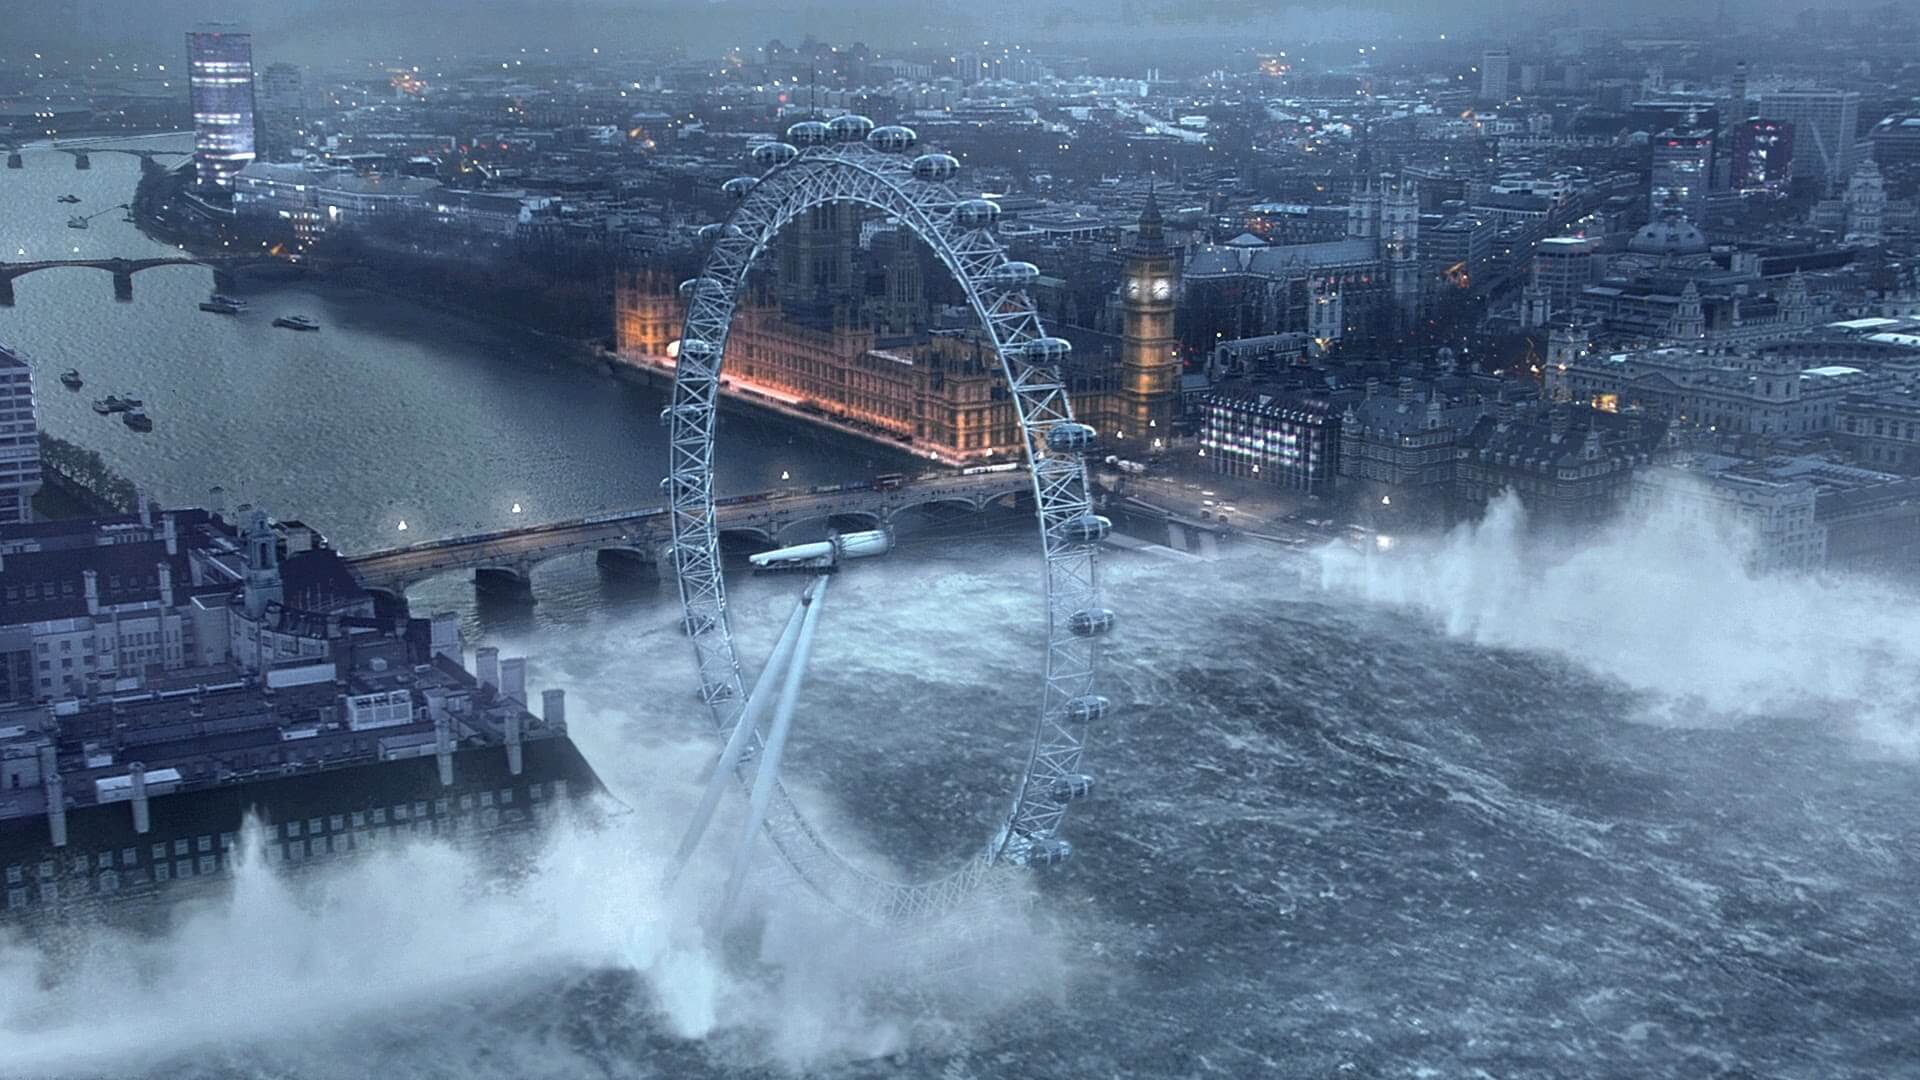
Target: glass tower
[220, 77]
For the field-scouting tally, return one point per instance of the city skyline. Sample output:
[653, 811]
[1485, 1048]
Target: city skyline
[1051, 540]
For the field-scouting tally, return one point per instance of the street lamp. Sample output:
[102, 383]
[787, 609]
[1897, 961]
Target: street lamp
[403, 524]
[516, 508]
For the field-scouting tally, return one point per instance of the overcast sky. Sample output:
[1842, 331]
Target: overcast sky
[323, 30]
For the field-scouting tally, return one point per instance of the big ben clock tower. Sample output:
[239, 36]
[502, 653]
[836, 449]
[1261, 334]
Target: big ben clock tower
[1149, 353]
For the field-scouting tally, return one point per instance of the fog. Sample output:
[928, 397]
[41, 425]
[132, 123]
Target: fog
[320, 31]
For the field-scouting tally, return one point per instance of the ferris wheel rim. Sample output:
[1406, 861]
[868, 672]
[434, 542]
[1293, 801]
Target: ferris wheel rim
[959, 231]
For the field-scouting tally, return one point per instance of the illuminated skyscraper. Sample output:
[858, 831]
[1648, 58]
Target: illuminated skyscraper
[220, 78]
[1682, 164]
[1762, 155]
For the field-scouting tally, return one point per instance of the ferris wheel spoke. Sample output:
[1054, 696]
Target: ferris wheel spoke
[851, 162]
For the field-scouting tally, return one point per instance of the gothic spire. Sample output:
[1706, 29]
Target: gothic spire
[1152, 236]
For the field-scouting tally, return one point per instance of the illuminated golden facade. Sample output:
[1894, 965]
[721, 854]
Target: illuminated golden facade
[945, 393]
[1149, 390]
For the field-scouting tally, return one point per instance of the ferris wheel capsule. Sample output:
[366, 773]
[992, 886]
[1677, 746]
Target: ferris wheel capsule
[1071, 787]
[739, 186]
[1070, 438]
[809, 133]
[1083, 529]
[892, 139]
[935, 168]
[1090, 622]
[976, 214]
[697, 352]
[717, 230]
[1013, 275]
[1048, 851]
[1046, 350]
[1086, 709]
[850, 128]
[770, 154]
[701, 286]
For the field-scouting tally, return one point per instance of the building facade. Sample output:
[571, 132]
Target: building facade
[1761, 156]
[220, 87]
[283, 123]
[1681, 171]
[1289, 441]
[19, 439]
[1824, 123]
[1774, 518]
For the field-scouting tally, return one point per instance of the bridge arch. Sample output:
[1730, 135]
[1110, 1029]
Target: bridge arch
[122, 269]
[839, 166]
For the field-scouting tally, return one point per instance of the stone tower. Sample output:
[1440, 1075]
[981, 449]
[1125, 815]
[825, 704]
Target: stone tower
[1866, 205]
[1400, 250]
[1149, 399]
[1363, 214]
[263, 566]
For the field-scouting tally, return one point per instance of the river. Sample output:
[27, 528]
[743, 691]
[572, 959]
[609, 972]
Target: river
[392, 413]
[1488, 806]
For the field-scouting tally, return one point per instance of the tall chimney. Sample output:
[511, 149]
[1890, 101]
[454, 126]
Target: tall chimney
[513, 742]
[143, 507]
[92, 579]
[553, 709]
[486, 666]
[164, 571]
[169, 533]
[142, 819]
[56, 795]
[443, 747]
[513, 679]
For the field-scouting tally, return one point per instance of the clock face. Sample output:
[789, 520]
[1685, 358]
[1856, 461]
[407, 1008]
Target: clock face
[1162, 288]
[1133, 288]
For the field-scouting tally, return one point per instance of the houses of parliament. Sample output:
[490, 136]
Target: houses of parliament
[848, 327]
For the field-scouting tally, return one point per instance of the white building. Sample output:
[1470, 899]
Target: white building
[1776, 517]
[318, 200]
[19, 439]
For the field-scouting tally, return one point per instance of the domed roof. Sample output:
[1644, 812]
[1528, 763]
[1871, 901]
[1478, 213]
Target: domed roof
[1673, 234]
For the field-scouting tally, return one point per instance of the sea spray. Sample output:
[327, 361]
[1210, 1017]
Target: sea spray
[1665, 603]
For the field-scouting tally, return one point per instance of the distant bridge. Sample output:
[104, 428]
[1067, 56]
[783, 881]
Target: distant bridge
[83, 155]
[507, 558]
[123, 270]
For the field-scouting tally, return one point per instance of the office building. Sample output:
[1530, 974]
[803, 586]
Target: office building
[220, 89]
[1494, 69]
[1681, 169]
[19, 439]
[1762, 156]
[1563, 266]
[1896, 141]
[1291, 441]
[283, 134]
[1824, 129]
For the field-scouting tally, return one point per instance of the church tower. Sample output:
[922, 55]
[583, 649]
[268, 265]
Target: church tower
[263, 566]
[1400, 248]
[1149, 353]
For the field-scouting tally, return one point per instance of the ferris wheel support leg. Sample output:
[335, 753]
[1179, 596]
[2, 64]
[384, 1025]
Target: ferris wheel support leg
[763, 781]
[750, 716]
